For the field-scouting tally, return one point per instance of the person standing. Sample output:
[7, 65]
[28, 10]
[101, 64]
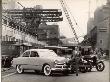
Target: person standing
[75, 58]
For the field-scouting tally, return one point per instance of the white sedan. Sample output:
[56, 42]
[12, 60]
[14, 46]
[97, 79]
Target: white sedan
[44, 60]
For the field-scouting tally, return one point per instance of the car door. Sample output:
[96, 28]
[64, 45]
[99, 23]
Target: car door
[34, 60]
[24, 59]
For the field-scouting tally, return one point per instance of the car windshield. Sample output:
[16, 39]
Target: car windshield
[47, 53]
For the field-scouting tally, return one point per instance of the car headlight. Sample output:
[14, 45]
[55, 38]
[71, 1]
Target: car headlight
[56, 61]
[65, 63]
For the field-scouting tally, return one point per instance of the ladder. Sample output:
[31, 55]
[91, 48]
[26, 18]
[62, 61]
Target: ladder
[63, 4]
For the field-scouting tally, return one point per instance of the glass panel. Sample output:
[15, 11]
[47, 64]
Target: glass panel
[34, 54]
[47, 53]
[26, 54]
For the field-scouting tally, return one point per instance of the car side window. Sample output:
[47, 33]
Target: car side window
[26, 54]
[34, 54]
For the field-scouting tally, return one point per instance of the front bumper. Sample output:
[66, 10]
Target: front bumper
[61, 67]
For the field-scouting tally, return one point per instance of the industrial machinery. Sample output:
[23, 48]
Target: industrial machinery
[64, 6]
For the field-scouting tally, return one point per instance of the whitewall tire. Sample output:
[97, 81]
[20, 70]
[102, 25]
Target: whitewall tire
[47, 70]
[19, 69]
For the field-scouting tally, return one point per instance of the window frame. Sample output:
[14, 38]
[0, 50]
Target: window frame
[26, 52]
[36, 52]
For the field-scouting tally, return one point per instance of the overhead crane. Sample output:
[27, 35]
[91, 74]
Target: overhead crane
[64, 6]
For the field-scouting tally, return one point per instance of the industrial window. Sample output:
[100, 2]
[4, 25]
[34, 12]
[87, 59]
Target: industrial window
[6, 38]
[4, 21]
[3, 38]
[101, 41]
[13, 39]
[10, 23]
[17, 27]
[17, 40]
[9, 38]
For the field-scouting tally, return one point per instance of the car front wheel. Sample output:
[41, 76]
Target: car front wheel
[19, 69]
[47, 70]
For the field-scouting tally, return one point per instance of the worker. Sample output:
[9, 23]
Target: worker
[75, 58]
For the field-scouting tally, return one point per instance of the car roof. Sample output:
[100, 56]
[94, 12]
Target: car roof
[56, 47]
[38, 50]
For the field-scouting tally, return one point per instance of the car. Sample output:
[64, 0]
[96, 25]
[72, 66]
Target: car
[44, 60]
[6, 61]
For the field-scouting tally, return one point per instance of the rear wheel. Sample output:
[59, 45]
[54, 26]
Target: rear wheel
[47, 70]
[100, 66]
[19, 69]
